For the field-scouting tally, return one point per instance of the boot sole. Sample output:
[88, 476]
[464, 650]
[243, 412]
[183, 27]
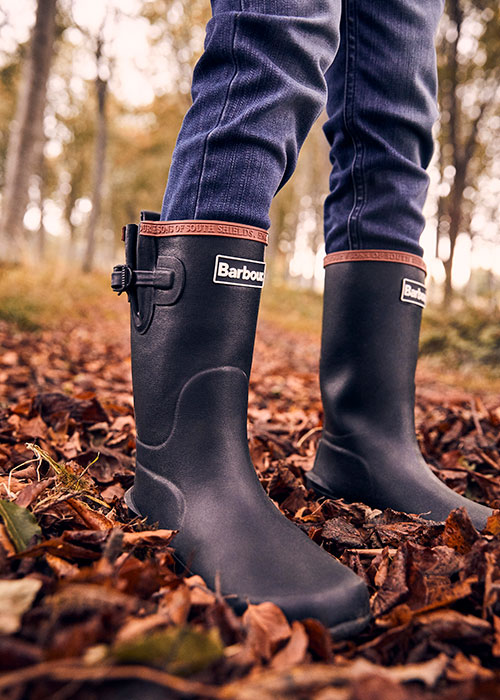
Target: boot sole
[351, 628]
[344, 630]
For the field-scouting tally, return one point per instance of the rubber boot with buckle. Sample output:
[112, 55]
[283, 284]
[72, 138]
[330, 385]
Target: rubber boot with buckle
[194, 290]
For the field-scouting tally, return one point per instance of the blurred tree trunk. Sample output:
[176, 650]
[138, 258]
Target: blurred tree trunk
[68, 209]
[26, 137]
[454, 209]
[101, 86]
[461, 137]
[42, 233]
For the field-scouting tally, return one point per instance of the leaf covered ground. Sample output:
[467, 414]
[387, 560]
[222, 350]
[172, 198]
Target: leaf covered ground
[91, 605]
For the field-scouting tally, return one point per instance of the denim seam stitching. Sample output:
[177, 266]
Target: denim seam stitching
[357, 175]
[221, 115]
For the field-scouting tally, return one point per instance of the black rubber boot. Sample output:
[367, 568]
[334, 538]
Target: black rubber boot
[194, 300]
[368, 450]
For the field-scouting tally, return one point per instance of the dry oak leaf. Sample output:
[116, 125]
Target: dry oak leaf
[342, 532]
[16, 653]
[395, 588]
[5, 542]
[77, 598]
[403, 613]
[61, 567]
[63, 547]
[200, 593]
[153, 538]
[493, 523]
[115, 492]
[294, 651]
[450, 624]
[459, 532]
[463, 668]
[175, 604]
[267, 626]
[53, 405]
[491, 583]
[496, 646]
[31, 492]
[320, 639]
[272, 684]
[91, 519]
[16, 597]
[375, 687]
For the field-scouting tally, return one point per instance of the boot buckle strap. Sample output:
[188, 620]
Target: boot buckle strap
[124, 277]
[121, 278]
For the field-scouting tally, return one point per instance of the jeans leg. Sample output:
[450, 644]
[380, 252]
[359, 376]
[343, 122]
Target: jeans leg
[382, 90]
[257, 90]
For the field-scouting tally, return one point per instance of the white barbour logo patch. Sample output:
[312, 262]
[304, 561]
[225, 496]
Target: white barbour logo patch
[240, 272]
[413, 292]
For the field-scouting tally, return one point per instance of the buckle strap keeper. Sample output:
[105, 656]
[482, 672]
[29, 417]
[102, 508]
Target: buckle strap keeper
[124, 277]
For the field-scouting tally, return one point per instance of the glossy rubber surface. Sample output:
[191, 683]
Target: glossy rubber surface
[194, 473]
[368, 450]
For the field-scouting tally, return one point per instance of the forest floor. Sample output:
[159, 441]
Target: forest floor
[90, 606]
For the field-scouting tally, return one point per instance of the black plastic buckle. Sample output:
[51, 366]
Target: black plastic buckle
[121, 278]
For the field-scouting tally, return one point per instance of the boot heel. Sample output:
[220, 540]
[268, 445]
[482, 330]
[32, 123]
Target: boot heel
[129, 502]
[338, 472]
[156, 497]
[319, 490]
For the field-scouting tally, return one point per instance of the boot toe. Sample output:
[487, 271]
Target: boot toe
[479, 514]
[347, 609]
[343, 607]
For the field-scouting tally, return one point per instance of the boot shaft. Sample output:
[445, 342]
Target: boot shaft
[194, 296]
[368, 450]
[371, 323]
[201, 314]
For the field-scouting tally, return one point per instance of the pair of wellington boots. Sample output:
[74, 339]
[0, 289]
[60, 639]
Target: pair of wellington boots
[194, 291]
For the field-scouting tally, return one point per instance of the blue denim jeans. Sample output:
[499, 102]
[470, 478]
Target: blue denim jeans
[267, 71]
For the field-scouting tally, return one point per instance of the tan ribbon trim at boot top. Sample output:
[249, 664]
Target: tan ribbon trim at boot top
[203, 227]
[377, 256]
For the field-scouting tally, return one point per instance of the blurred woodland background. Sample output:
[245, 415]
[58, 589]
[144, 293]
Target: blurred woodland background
[93, 93]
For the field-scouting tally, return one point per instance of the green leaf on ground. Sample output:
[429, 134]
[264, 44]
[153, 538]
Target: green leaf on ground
[179, 650]
[21, 525]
